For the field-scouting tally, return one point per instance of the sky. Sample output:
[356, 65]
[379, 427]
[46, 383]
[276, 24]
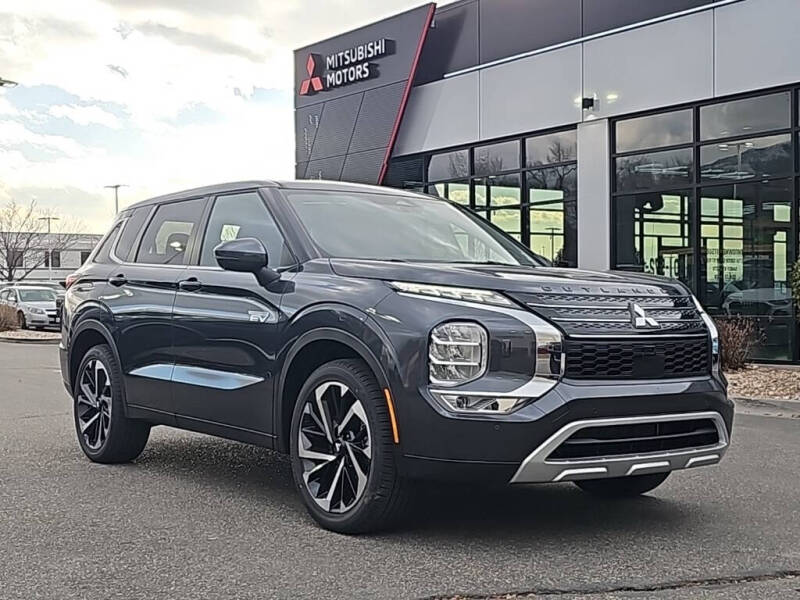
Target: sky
[160, 95]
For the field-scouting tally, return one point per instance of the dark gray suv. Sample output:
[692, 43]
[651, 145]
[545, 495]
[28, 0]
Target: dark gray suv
[382, 337]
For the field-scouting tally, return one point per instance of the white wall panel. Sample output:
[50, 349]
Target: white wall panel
[440, 114]
[655, 66]
[594, 193]
[533, 93]
[757, 45]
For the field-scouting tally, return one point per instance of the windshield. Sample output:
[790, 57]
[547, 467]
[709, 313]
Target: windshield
[36, 295]
[387, 227]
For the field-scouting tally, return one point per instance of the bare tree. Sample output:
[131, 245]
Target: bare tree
[25, 242]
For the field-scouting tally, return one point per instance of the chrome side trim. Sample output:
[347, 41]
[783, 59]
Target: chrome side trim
[537, 469]
[198, 376]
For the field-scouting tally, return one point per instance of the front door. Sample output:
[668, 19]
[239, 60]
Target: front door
[226, 327]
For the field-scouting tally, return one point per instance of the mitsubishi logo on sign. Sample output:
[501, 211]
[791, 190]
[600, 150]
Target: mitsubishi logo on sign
[639, 319]
[344, 67]
[313, 84]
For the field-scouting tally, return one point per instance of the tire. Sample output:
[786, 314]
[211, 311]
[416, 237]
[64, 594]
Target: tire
[104, 433]
[22, 323]
[622, 487]
[349, 479]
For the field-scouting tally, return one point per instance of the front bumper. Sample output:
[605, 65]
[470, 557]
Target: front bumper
[516, 448]
[538, 467]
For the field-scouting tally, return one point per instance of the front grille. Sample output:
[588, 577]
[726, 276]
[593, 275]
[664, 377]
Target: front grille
[596, 313]
[640, 438]
[649, 359]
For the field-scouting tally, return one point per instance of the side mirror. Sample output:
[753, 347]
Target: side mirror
[246, 255]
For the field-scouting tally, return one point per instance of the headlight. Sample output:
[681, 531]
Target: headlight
[452, 293]
[457, 353]
[712, 330]
[37, 311]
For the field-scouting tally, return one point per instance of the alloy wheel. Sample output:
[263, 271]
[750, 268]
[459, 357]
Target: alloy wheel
[93, 401]
[335, 447]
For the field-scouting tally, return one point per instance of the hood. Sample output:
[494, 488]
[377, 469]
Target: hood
[505, 278]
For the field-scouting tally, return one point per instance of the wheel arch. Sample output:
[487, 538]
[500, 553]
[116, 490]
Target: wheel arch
[87, 335]
[311, 350]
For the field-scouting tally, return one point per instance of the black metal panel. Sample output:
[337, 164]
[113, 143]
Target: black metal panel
[306, 123]
[452, 42]
[403, 31]
[326, 168]
[376, 118]
[363, 167]
[602, 15]
[336, 127]
[508, 27]
[334, 120]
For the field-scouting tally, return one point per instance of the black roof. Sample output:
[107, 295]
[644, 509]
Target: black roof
[306, 184]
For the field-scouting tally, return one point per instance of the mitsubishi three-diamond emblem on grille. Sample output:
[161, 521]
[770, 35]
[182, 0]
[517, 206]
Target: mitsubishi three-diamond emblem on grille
[639, 319]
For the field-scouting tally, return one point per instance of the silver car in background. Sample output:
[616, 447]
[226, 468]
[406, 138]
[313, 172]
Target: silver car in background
[35, 305]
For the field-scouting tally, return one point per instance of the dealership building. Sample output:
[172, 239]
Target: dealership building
[653, 136]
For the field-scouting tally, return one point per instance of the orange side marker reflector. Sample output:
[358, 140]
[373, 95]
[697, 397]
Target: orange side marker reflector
[392, 417]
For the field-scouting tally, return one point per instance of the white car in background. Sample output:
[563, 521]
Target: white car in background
[35, 306]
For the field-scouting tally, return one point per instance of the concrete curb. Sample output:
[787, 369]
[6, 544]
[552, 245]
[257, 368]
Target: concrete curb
[39, 342]
[767, 406]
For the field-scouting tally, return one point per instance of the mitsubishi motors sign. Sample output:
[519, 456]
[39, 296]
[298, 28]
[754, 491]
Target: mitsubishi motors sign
[350, 94]
[344, 67]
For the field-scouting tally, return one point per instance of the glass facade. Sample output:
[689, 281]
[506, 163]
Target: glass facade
[527, 186]
[708, 194]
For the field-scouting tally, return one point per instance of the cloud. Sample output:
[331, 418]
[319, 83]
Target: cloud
[161, 95]
[85, 115]
[202, 41]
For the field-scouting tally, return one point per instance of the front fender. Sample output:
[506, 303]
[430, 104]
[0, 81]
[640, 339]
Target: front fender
[340, 323]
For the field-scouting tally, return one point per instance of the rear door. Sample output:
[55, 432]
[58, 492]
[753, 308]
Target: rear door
[226, 326]
[141, 292]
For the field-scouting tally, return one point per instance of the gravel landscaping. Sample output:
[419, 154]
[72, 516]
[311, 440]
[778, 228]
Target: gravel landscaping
[756, 381]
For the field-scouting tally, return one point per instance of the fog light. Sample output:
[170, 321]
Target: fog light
[469, 403]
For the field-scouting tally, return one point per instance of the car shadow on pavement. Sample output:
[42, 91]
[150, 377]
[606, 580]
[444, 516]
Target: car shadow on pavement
[437, 510]
[548, 510]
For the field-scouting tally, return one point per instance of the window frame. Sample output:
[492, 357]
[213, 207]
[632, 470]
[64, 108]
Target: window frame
[206, 221]
[473, 180]
[192, 248]
[697, 184]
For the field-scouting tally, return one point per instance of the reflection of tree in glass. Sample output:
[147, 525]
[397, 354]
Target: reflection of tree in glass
[459, 163]
[648, 170]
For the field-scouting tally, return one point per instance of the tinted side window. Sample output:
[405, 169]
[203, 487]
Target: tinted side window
[167, 237]
[133, 226]
[103, 251]
[240, 216]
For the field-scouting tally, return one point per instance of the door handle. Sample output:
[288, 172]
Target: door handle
[189, 285]
[118, 280]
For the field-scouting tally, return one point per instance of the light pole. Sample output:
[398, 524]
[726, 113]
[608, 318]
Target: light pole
[49, 246]
[553, 231]
[116, 187]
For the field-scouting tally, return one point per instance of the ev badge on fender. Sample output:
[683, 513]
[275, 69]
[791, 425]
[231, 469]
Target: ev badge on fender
[259, 316]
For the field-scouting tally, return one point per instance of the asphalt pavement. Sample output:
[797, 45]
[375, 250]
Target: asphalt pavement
[201, 517]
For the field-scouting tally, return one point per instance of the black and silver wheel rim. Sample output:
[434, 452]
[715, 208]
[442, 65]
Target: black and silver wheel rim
[335, 447]
[93, 404]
